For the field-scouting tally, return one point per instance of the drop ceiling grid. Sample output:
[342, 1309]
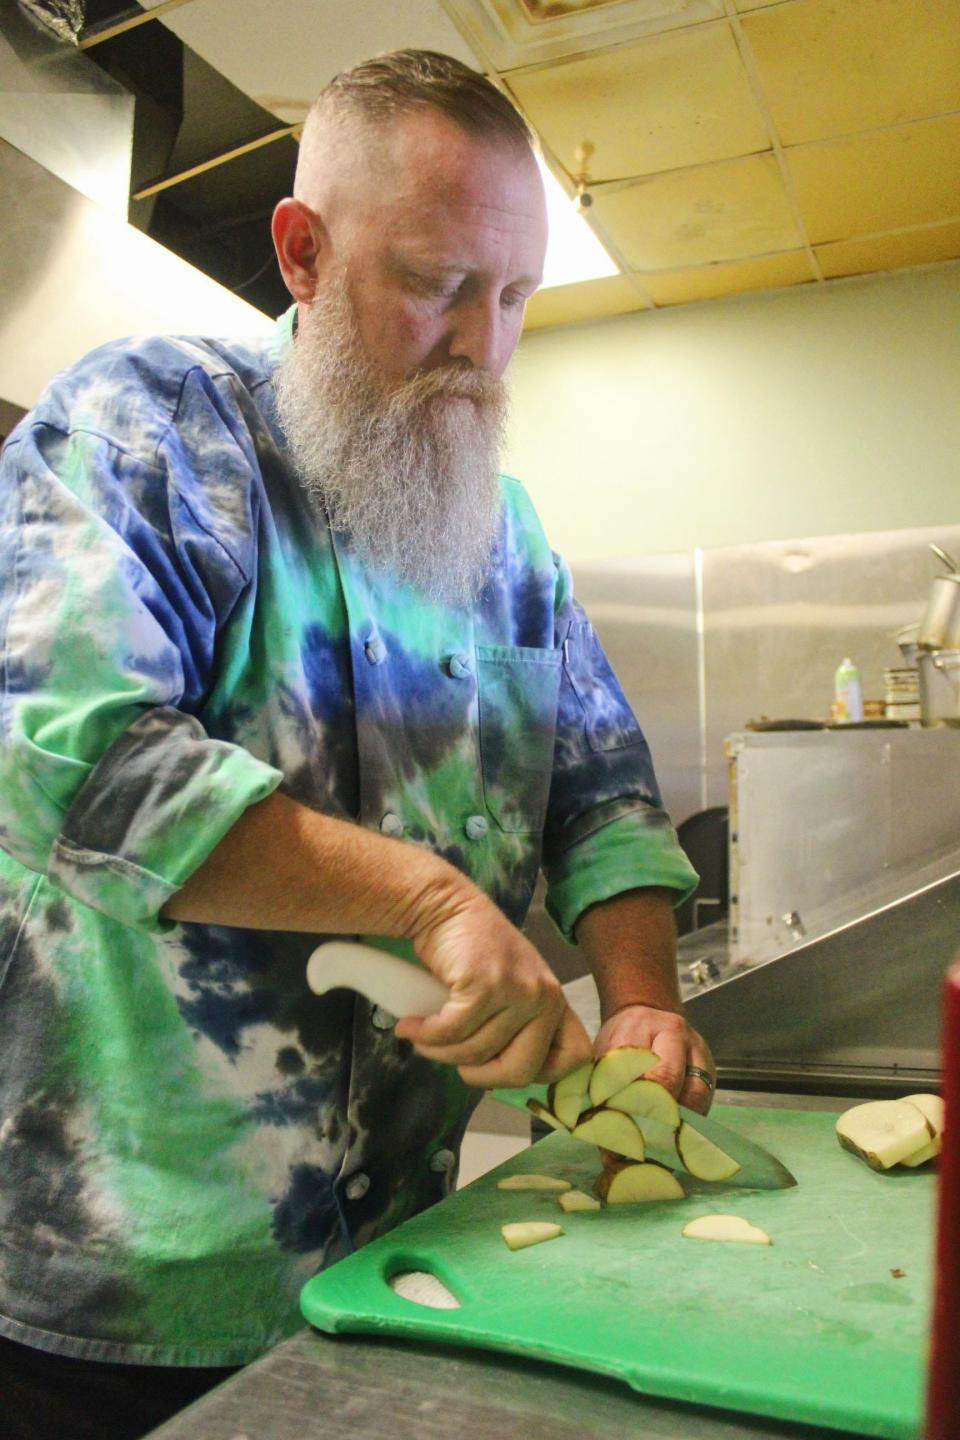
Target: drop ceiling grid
[763, 142]
[763, 104]
[880, 226]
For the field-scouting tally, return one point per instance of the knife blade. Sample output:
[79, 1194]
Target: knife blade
[759, 1170]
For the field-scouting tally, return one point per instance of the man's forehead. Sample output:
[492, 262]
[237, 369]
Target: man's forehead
[429, 161]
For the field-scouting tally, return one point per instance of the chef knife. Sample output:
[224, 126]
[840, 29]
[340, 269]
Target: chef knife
[402, 987]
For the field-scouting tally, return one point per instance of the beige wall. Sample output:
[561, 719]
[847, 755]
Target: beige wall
[807, 412]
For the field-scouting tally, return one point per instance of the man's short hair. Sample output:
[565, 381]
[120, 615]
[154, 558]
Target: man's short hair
[404, 80]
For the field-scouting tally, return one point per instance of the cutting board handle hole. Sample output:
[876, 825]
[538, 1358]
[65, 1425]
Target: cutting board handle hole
[409, 1278]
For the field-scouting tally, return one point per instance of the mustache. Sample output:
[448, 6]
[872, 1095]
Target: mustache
[459, 382]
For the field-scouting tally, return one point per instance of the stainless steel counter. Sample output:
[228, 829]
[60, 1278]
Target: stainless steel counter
[317, 1387]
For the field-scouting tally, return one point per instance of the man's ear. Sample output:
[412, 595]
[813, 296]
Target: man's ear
[302, 245]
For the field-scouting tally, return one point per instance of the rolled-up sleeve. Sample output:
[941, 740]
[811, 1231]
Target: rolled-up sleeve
[607, 830]
[111, 598]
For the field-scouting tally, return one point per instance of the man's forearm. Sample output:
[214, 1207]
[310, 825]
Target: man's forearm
[283, 866]
[630, 944]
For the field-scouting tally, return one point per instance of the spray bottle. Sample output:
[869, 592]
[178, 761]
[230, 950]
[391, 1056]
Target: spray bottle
[847, 693]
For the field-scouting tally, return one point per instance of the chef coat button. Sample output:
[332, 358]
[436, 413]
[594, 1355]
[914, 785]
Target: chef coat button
[443, 1161]
[374, 649]
[391, 824]
[357, 1186]
[381, 1019]
[475, 827]
[459, 667]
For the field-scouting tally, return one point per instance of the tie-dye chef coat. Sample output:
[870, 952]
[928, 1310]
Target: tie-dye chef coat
[187, 1133]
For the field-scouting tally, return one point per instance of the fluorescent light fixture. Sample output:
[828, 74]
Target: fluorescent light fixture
[573, 251]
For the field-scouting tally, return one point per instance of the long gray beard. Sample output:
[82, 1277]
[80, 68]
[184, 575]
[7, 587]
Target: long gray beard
[407, 468]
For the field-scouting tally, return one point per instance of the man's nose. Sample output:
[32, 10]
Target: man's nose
[477, 335]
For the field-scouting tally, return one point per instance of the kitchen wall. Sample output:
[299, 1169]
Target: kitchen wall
[813, 411]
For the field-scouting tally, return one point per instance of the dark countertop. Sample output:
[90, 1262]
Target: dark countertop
[319, 1387]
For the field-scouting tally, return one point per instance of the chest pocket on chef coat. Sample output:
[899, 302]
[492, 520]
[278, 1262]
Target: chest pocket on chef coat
[518, 688]
[609, 723]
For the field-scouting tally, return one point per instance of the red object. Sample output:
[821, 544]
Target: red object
[943, 1396]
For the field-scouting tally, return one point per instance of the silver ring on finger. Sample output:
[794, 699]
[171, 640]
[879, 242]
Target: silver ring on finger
[695, 1073]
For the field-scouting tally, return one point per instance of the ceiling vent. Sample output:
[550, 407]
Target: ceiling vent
[508, 34]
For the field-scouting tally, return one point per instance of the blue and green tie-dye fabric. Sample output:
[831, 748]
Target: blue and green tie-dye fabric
[186, 1132]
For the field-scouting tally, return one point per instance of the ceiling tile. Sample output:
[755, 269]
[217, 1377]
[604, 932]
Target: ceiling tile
[726, 211]
[672, 100]
[830, 68]
[892, 180]
[588, 300]
[742, 5]
[891, 252]
[708, 282]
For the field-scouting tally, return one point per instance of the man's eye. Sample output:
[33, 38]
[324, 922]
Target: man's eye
[435, 289]
[512, 300]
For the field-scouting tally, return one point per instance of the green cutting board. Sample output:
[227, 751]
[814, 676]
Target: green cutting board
[815, 1328]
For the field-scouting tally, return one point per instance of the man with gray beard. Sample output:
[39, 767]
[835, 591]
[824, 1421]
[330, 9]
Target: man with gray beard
[286, 659]
[408, 467]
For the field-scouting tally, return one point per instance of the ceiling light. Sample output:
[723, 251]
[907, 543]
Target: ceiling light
[573, 250]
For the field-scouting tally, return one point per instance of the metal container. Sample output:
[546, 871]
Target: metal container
[940, 626]
[939, 687]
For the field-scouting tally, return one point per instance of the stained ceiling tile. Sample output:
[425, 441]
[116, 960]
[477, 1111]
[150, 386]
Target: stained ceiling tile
[891, 180]
[588, 300]
[708, 282]
[725, 211]
[742, 5]
[672, 100]
[891, 252]
[835, 69]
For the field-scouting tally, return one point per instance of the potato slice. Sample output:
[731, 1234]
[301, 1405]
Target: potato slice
[577, 1200]
[617, 1068]
[701, 1157]
[725, 1227]
[883, 1131]
[522, 1233]
[565, 1097]
[649, 1099]
[931, 1108]
[921, 1156]
[629, 1184]
[533, 1182]
[611, 1130]
[537, 1108]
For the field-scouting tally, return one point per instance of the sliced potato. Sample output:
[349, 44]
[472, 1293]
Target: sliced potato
[617, 1068]
[566, 1097]
[921, 1156]
[533, 1182]
[882, 1132]
[611, 1130]
[701, 1157]
[522, 1233]
[577, 1200]
[931, 1108]
[537, 1108]
[629, 1184]
[725, 1227]
[649, 1099]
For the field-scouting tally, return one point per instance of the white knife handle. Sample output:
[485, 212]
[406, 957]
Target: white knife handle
[397, 985]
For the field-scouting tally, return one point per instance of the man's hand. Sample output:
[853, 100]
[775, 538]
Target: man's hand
[507, 1021]
[630, 942]
[678, 1045]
